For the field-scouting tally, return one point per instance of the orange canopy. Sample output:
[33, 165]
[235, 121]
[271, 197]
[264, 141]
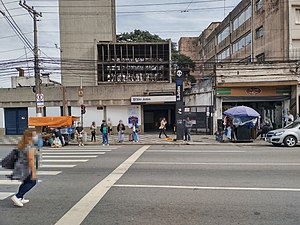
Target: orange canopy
[52, 121]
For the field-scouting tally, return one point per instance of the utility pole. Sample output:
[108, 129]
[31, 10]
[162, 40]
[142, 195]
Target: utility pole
[39, 96]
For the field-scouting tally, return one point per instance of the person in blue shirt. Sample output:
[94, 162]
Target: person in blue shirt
[104, 130]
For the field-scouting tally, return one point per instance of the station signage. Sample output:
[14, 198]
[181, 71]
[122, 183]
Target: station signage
[151, 99]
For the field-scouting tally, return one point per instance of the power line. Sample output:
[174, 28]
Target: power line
[16, 28]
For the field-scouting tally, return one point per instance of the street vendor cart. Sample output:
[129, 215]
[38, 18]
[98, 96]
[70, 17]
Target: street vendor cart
[45, 126]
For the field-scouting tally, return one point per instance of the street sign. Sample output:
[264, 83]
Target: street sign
[80, 92]
[40, 100]
[179, 73]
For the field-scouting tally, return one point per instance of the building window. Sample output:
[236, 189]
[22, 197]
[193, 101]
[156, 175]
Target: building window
[242, 43]
[242, 18]
[246, 60]
[260, 58]
[259, 32]
[223, 55]
[259, 4]
[224, 34]
[297, 15]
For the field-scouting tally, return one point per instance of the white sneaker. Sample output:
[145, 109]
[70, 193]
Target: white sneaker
[103, 144]
[107, 144]
[23, 200]
[16, 201]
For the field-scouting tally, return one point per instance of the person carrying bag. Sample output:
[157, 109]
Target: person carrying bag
[24, 169]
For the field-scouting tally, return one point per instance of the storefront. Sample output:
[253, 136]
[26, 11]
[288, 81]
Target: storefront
[270, 101]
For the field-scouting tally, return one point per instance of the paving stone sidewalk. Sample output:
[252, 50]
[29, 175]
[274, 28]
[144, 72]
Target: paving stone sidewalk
[151, 139]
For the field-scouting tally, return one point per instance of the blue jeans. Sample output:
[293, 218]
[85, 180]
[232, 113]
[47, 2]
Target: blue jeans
[135, 136]
[187, 134]
[26, 186]
[105, 138]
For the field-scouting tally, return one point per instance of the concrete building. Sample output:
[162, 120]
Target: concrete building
[82, 25]
[189, 46]
[254, 32]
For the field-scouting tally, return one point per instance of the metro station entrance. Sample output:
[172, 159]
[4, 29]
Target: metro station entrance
[154, 113]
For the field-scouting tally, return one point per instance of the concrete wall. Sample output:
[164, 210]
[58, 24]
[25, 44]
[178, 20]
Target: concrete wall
[53, 111]
[115, 99]
[82, 23]
[2, 121]
[102, 95]
[294, 32]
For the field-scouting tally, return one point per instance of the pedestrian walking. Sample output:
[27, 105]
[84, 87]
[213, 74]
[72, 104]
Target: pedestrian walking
[162, 127]
[121, 129]
[135, 130]
[104, 130]
[93, 129]
[79, 134]
[187, 129]
[26, 168]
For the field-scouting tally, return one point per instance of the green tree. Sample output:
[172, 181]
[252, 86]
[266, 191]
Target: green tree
[178, 59]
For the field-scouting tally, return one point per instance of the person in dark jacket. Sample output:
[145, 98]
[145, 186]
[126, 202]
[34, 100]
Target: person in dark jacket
[121, 129]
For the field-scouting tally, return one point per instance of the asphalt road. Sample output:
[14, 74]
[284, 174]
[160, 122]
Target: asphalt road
[160, 185]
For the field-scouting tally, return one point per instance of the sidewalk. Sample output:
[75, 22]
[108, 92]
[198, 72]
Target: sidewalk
[146, 139]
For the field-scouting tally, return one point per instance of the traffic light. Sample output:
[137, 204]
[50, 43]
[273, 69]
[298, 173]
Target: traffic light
[83, 109]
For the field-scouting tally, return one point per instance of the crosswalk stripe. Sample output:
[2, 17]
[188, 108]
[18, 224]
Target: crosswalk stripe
[65, 160]
[73, 153]
[87, 150]
[69, 156]
[43, 173]
[77, 148]
[56, 166]
[48, 173]
[10, 182]
[4, 195]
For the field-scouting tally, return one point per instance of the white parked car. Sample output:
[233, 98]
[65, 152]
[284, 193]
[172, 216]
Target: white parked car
[289, 135]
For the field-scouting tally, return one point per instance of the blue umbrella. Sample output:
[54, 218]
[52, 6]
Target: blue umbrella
[241, 111]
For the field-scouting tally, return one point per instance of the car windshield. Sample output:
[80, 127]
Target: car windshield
[292, 125]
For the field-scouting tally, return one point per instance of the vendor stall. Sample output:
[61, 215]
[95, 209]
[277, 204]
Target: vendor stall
[57, 126]
[239, 122]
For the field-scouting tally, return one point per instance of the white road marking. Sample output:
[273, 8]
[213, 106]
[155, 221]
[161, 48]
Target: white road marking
[44, 173]
[53, 151]
[48, 173]
[82, 208]
[9, 182]
[210, 188]
[191, 151]
[68, 156]
[73, 153]
[220, 163]
[65, 160]
[56, 166]
[12, 182]
[4, 195]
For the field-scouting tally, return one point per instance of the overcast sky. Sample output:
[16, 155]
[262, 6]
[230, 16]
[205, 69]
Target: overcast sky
[166, 18]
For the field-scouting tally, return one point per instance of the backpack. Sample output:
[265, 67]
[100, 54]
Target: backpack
[9, 161]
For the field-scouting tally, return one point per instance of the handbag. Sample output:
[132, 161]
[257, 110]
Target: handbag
[21, 170]
[9, 161]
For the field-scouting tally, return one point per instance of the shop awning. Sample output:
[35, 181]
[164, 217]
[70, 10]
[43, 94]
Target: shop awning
[52, 121]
